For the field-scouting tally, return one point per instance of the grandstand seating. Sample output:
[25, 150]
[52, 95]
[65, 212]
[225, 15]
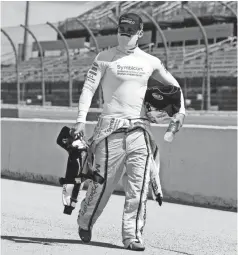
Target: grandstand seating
[188, 61]
[98, 18]
[162, 11]
[223, 59]
[200, 8]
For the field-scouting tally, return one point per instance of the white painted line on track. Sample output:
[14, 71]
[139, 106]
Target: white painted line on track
[94, 122]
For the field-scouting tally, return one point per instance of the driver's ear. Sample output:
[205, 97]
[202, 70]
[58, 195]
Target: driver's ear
[140, 34]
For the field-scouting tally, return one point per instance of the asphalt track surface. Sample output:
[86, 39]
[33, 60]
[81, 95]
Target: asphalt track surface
[33, 223]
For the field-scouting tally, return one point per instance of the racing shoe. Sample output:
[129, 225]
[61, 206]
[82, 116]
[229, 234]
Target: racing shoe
[85, 235]
[136, 246]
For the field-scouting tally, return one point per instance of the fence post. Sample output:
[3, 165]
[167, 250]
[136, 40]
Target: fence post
[16, 65]
[69, 66]
[25, 40]
[90, 32]
[97, 51]
[206, 67]
[42, 63]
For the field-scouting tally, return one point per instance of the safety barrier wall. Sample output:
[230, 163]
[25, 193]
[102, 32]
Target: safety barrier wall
[219, 118]
[199, 167]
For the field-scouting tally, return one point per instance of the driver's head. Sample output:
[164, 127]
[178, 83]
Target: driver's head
[130, 29]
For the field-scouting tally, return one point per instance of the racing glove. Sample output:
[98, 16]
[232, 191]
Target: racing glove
[78, 129]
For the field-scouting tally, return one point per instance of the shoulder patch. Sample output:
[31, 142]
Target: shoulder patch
[95, 64]
[93, 73]
[94, 68]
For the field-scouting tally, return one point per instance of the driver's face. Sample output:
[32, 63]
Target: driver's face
[127, 30]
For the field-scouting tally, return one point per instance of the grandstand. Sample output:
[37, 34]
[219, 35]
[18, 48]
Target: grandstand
[186, 52]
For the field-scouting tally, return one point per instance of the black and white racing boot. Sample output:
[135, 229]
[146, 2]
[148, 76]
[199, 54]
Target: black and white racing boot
[136, 246]
[85, 235]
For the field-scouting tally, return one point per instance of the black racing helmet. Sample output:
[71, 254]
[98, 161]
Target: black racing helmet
[163, 98]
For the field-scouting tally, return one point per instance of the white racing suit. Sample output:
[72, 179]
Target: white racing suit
[118, 142]
[122, 137]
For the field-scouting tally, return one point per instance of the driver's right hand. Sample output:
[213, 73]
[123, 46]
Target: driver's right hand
[77, 129]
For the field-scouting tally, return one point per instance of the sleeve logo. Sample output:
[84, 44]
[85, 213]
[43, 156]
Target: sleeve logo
[91, 72]
[95, 64]
[94, 68]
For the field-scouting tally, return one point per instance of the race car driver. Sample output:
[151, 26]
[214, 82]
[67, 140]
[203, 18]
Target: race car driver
[122, 135]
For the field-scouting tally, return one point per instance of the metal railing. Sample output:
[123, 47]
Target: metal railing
[41, 60]
[16, 63]
[206, 63]
[212, 48]
[68, 61]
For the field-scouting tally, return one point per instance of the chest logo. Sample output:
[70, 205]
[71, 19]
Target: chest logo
[130, 70]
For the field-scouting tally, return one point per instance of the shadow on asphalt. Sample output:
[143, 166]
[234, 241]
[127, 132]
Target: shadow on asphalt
[50, 241]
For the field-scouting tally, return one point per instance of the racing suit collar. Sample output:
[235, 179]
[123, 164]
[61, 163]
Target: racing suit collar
[127, 51]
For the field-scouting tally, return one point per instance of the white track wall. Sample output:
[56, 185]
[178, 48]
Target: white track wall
[199, 167]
